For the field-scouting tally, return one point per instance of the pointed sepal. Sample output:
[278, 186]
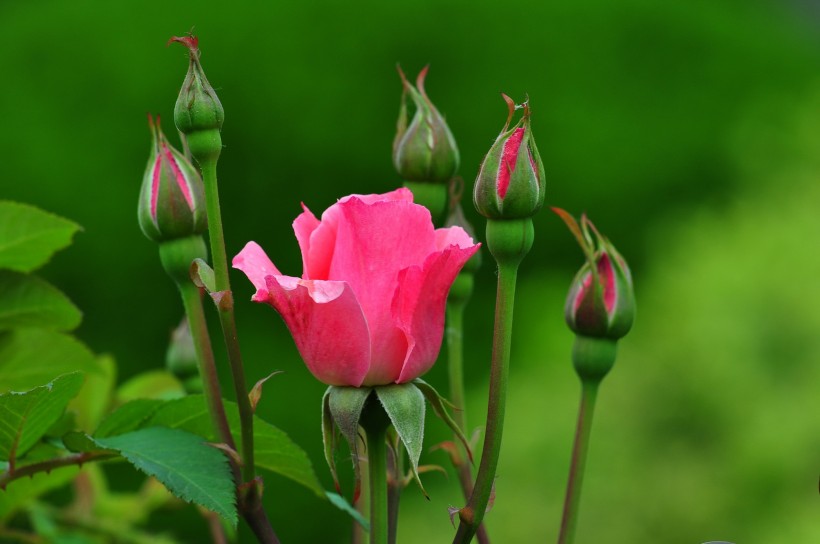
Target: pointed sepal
[329, 438]
[346, 404]
[439, 405]
[404, 405]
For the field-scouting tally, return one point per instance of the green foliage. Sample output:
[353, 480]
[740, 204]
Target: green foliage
[27, 416]
[32, 357]
[29, 236]
[28, 301]
[275, 451]
[128, 417]
[190, 468]
[153, 384]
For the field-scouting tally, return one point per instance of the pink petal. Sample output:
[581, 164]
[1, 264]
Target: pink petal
[326, 323]
[608, 278]
[402, 194]
[324, 318]
[453, 236]
[508, 159]
[373, 243]
[322, 242]
[303, 227]
[254, 262]
[419, 303]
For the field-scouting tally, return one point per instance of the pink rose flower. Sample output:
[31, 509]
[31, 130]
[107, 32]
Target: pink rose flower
[369, 307]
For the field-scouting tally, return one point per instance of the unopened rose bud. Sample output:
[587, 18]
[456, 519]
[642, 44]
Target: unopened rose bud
[172, 201]
[510, 183]
[198, 113]
[601, 300]
[425, 149]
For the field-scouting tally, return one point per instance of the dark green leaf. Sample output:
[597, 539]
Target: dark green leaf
[190, 468]
[28, 301]
[128, 417]
[275, 451]
[29, 236]
[25, 417]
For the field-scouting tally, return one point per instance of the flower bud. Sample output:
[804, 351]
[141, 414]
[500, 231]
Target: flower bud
[172, 199]
[198, 113]
[510, 183]
[601, 300]
[180, 357]
[425, 149]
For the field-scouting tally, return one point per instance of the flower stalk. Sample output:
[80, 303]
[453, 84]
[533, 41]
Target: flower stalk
[199, 115]
[375, 422]
[460, 294]
[572, 500]
[508, 241]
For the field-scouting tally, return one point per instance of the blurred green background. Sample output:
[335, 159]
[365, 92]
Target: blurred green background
[689, 132]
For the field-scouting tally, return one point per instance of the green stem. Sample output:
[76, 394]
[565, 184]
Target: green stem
[51, 464]
[395, 485]
[375, 422]
[226, 316]
[589, 392]
[215, 232]
[455, 359]
[251, 500]
[192, 300]
[472, 514]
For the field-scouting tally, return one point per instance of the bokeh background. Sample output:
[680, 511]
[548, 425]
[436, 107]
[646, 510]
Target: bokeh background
[689, 131]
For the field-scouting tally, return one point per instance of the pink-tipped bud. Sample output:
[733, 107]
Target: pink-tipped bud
[510, 184]
[601, 300]
[424, 150]
[172, 198]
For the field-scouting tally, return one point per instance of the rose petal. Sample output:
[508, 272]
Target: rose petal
[418, 306]
[254, 262]
[373, 243]
[326, 323]
[303, 227]
[324, 318]
[453, 236]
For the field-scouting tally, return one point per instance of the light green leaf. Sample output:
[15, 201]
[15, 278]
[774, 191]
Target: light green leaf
[155, 384]
[341, 503]
[190, 468]
[275, 451]
[91, 404]
[28, 301]
[32, 357]
[25, 417]
[128, 417]
[404, 403]
[29, 236]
